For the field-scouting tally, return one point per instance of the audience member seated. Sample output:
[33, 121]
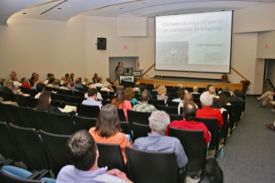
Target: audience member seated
[49, 75]
[78, 83]
[57, 83]
[107, 129]
[162, 93]
[266, 97]
[35, 81]
[13, 77]
[44, 104]
[82, 151]
[224, 99]
[142, 88]
[212, 92]
[95, 78]
[225, 90]
[189, 123]
[50, 82]
[86, 82]
[2, 88]
[188, 97]
[207, 111]
[99, 83]
[40, 87]
[130, 95]
[25, 83]
[108, 79]
[157, 141]
[217, 105]
[144, 106]
[71, 78]
[107, 87]
[181, 93]
[10, 88]
[98, 95]
[137, 86]
[92, 94]
[66, 86]
[67, 77]
[121, 103]
[195, 90]
[32, 78]
[155, 87]
[73, 86]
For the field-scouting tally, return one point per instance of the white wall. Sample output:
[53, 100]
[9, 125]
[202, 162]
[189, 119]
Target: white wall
[30, 45]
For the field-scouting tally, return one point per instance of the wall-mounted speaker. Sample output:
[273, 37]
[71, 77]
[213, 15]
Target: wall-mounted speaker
[101, 43]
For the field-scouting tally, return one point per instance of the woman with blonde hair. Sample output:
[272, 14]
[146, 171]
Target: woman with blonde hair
[108, 130]
[162, 93]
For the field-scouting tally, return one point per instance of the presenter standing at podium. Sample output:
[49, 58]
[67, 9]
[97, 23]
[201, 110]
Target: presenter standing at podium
[120, 70]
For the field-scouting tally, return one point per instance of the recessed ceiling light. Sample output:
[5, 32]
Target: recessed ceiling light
[24, 13]
[120, 8]
[59, 8]
[69, 6]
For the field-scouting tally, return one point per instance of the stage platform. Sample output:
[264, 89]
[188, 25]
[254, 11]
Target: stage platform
[190, 82]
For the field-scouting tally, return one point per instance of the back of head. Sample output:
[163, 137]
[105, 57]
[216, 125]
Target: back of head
[181, 93]
[2, 81]
[23, 80]
[92, 92]
[158, 121]
[216, 103]
[142, 87]
[225, 88]
[40, 87]
[206, 99]
[195, 88]
[238, 93]
[72, 84]
[189, 111]
[223, 99]
[188, 97]
[81, 150]
[129, 93]
[108, 122]
[43, 102]
[145, 95]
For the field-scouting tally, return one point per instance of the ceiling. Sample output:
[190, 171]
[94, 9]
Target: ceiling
[63, 10]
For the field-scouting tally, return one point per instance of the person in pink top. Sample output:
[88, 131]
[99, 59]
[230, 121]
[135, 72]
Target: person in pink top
[121, 103]
[107, 129]
[207, 111]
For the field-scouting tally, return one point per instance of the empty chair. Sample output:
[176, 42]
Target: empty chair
[171, 103]
[212, 126]
[140, 130]
[44, 121]
[153, 167]
[175, 117]
[8, 143]
[56, 103]
[26, 117]
[55, 145]
[88, 110]
[110, 155]
[125, 126]
[138, 117]
[82, 122]
[3, 115]
[35, 156]
[121, 115]
[168, 109]
[63, 123]
[74, 99]
[194, 147]
[79, 94]
[22, 100]
[10, 112]
[33, 102]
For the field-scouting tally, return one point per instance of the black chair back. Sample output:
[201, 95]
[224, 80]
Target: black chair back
[156, 102]
[138, 117]
[212, 126]
[153, 167]
[175, 117]
[3, 115]
[224, 129]
[125, 126]
[55, 144]
[168, 109]
[110, 155]
[22, 101]
[230, 111]
[84, 122]
[35, 156]
[8, 143]
[63, 123]
[140, 130]
[121, 115]
[11, 114]
[88, 111]
[194, 147]
[44, 121]
[26, 117]
[171, 103]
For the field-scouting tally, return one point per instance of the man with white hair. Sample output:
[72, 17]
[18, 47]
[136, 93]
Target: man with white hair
[157, 141]
[207, 111]
[212, 92]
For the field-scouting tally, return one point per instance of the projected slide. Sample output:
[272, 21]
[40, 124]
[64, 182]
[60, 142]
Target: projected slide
[194, 42]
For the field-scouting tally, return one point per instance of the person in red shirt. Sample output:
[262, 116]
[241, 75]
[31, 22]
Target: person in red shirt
[188, 122]
[25, 83]
[207, 111]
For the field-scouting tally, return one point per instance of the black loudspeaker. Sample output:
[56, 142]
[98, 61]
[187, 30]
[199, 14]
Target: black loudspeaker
[101, 43]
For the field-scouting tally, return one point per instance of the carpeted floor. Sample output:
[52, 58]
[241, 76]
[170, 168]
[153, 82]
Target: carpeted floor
[249, 155]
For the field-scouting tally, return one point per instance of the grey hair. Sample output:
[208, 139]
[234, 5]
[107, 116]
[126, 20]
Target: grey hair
[158, 121]
[206, 99]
